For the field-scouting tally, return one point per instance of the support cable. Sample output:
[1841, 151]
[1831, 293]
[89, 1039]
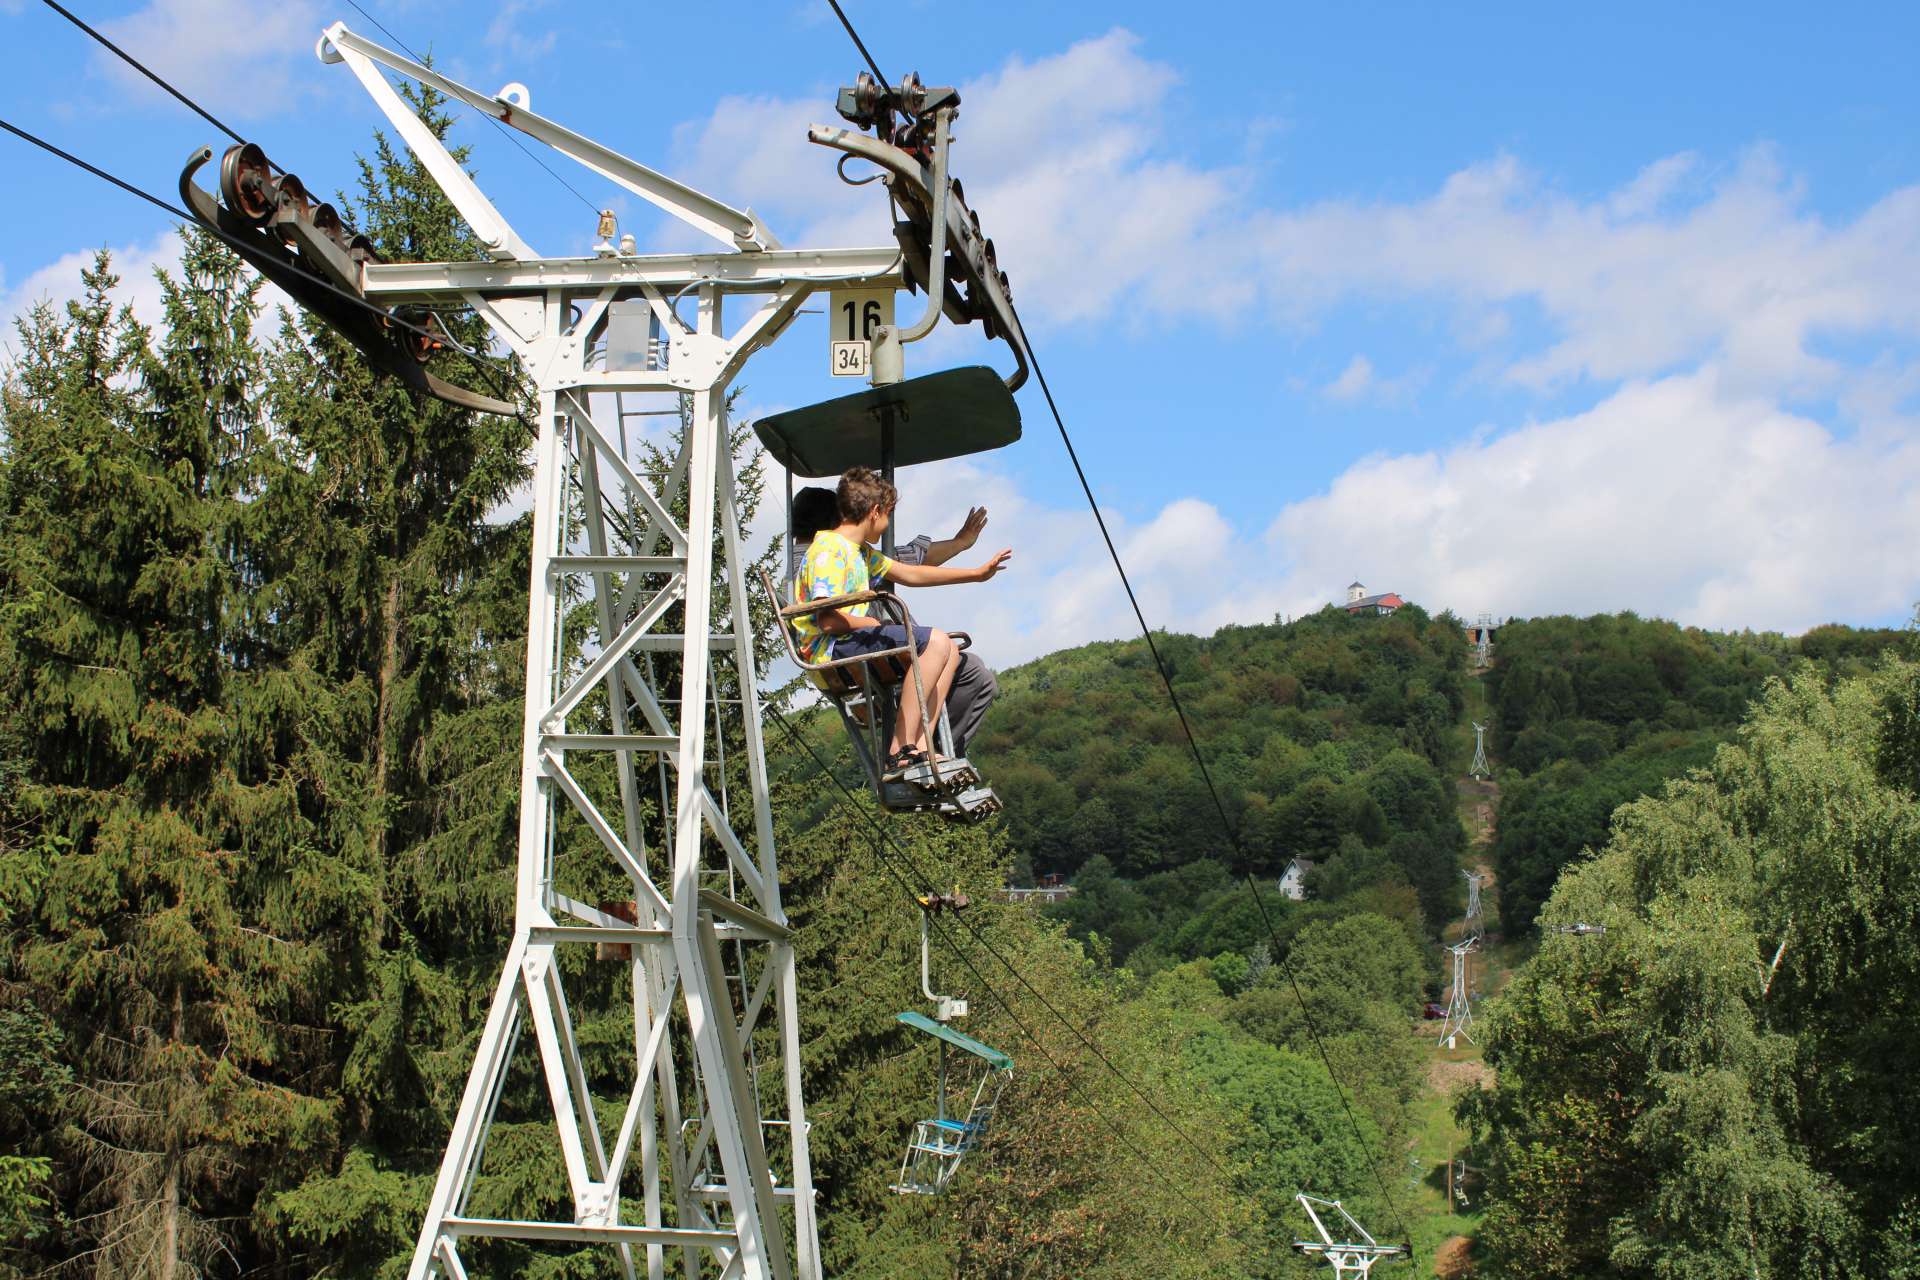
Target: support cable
[1166, 678]
[887, 840]
[1233, 835]
[509, 134]
[232, 243]
[137, 65]
[888, 843]
[860, 44]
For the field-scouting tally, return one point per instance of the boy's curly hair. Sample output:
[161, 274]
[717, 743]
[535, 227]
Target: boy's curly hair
[861, 491]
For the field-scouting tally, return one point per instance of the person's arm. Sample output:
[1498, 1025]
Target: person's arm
[947, 548]
[930, 575]
[837, 622]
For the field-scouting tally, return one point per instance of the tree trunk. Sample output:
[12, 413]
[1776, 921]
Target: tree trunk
[389, 667]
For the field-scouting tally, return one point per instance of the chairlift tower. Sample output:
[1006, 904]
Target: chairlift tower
[1483, 641]
[1479, 768]
[1356, 1252]
[1459, 1020]
[706, 1172]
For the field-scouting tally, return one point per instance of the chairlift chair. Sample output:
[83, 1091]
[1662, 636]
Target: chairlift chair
[928, 419]
[973, 1084]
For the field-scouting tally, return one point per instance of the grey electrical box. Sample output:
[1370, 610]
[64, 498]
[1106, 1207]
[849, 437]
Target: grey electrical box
[633, 337]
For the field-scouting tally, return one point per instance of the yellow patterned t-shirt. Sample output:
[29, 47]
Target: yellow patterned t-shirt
[833, 566]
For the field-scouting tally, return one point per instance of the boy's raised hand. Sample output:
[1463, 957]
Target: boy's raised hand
[970, 528]
[995, 564]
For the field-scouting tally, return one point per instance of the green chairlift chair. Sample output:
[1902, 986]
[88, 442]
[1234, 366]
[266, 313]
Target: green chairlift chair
[907, 423]
[969, 1087]
[975, 1083]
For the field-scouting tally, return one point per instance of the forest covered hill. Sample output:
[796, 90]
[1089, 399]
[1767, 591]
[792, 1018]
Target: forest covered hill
[1341, 739]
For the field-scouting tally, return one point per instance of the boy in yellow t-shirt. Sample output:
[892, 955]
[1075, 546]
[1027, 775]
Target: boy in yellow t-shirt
[841, 561]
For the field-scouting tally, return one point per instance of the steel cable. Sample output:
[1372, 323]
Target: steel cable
[137, 65]
[1199, 758]
[887, 842]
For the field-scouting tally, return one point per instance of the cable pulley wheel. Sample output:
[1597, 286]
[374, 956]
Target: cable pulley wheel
[290, 197]
[246, 183]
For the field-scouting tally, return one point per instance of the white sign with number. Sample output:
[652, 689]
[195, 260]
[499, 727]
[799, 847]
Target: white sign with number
[851, 319]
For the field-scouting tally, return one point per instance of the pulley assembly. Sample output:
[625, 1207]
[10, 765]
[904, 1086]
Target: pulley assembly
[267, 216]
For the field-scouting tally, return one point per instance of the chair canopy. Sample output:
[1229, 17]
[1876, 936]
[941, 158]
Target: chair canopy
[940, 415]
[940, 1031]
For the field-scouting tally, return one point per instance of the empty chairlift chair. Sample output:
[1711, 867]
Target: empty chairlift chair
[916, 421]
[967, 1089]
[972, 1085]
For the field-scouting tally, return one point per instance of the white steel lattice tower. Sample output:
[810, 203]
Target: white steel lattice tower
[1479, 768]
[707, 1172]
[1483, 641]
[1459, 1020]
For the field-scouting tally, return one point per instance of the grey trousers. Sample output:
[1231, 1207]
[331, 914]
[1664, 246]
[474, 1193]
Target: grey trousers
[972, 693]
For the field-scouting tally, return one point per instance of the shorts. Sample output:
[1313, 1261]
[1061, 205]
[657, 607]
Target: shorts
[888, 635]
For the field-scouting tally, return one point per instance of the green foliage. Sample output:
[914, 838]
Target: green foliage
[1591, 713]
[1672, 1102]
[1301, 724]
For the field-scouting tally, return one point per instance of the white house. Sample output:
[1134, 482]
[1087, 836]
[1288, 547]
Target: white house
[1293, 881]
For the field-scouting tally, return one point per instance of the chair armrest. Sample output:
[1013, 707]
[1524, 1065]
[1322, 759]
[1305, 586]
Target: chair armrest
[807, 607]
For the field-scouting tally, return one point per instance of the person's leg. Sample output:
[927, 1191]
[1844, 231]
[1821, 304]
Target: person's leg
[974, 690]
[937, 655]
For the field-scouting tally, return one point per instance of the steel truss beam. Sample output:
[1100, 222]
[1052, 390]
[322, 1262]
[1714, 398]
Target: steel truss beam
[706, 1172]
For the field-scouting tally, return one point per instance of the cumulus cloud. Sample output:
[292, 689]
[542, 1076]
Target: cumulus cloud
[1632, 284]
[234, 57]
[137, 266]
[1681, 497]
[58, 282]
[1071, 163]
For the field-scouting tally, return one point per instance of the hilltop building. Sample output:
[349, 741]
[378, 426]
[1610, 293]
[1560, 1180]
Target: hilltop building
[1358, 601]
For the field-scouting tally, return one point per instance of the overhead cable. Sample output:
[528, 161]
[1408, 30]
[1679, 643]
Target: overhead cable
[1199, 758]
[888, 843]
[1233, 835]
[137, 65]
[509, 134]
[233, 243]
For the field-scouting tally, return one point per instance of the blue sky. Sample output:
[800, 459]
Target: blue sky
[1517, 310]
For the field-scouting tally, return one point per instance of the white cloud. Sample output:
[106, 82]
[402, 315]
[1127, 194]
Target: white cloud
[1630, 284]
[1683, 498]
[58, 282]
[136, 265]
[237, 58]
[1073, 164]
[505, 36]
[1353, 382]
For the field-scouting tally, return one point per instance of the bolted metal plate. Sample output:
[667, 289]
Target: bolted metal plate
[941, 415]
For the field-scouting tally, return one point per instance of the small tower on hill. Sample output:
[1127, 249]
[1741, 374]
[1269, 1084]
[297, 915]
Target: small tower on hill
[1355, 592]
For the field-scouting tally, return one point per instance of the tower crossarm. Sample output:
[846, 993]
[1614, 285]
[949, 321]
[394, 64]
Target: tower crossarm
[740, 229]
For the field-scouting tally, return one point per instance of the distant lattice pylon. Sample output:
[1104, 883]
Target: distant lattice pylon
[1473, 903]
[1479, 768]
[1459, 1007]
[1483, 641]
